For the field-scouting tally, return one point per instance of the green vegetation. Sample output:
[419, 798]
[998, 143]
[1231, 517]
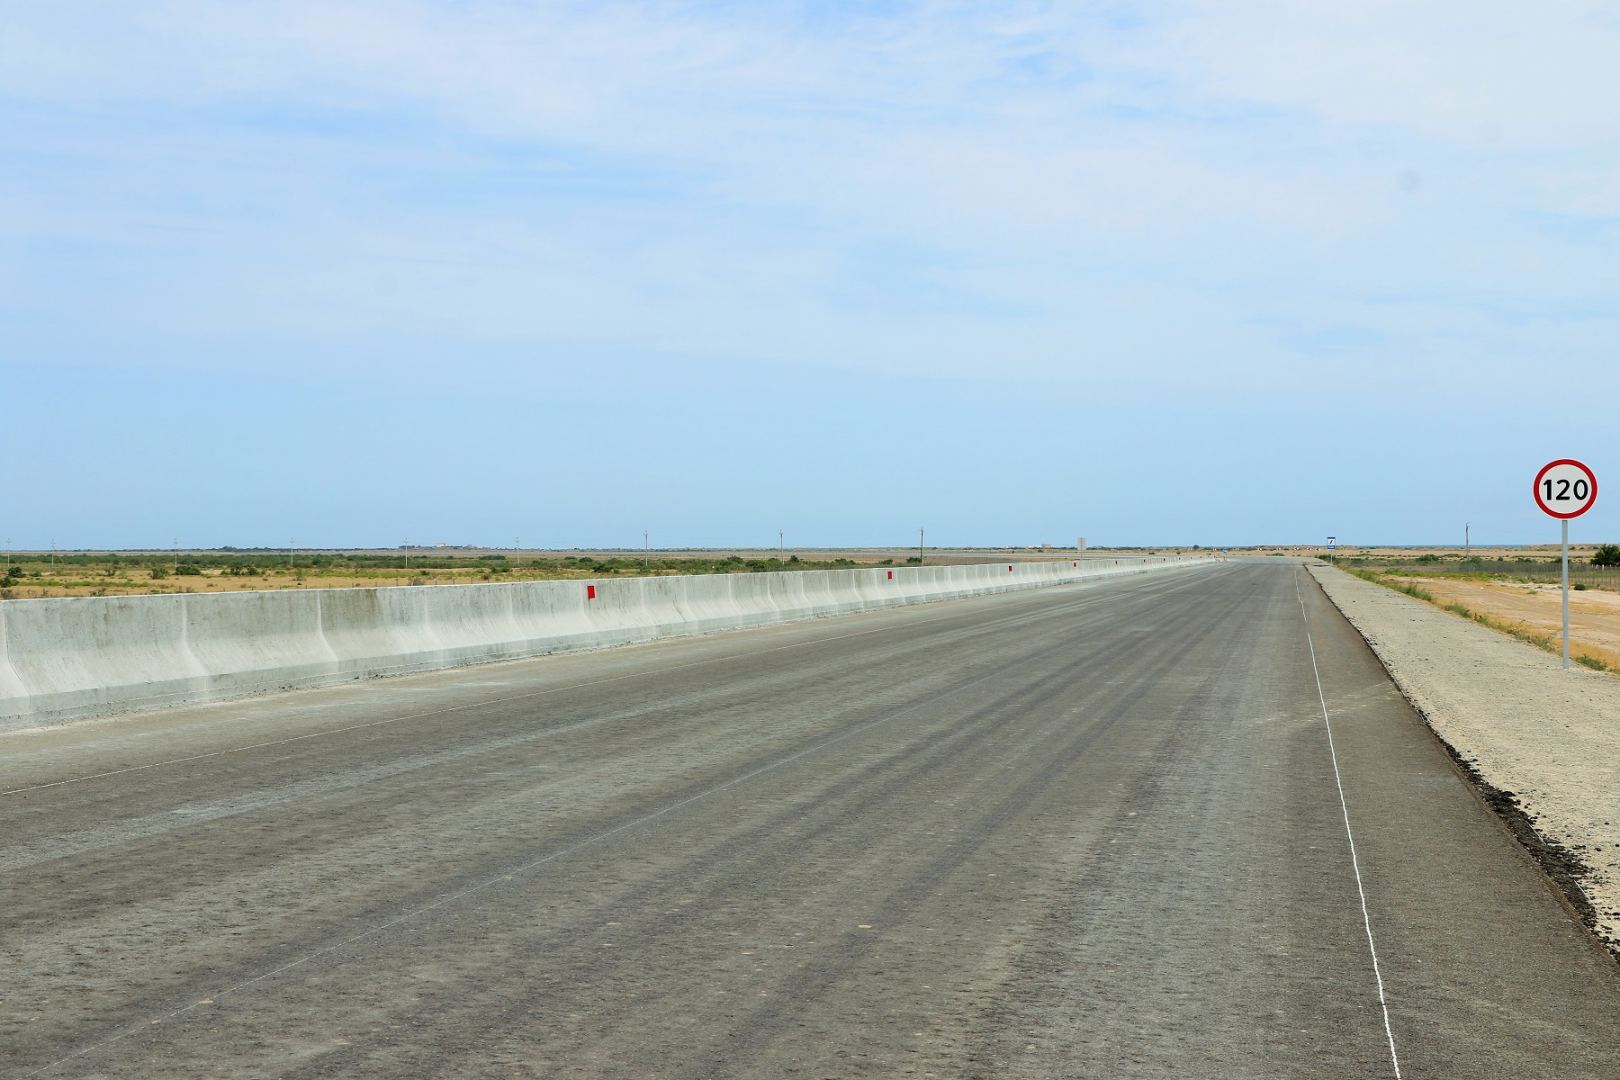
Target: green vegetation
[1607, 555]
[1406, 587]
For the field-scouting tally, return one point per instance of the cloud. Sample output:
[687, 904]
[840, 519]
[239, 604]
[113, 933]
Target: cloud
[1170, 191]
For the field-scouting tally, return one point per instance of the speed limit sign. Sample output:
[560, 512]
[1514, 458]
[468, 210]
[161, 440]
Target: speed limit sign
[1565, 488]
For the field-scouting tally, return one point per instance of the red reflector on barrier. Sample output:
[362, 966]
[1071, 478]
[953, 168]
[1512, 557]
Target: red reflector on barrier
[891, 575]
[1075, 565]
[590, 592]
[1009, 568]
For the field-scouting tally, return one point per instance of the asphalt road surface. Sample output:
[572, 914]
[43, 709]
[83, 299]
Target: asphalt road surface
[1101, 830]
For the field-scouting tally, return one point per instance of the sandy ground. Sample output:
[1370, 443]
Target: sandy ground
[1548, 736]
[1594, 614]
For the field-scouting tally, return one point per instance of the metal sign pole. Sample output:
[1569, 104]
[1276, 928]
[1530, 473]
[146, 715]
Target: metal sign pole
[1565, 489]
[1566, 592]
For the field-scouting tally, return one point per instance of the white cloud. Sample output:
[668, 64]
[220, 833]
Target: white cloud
[1179, 187]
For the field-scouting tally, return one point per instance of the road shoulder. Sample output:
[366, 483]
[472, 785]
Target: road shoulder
[1544, 743]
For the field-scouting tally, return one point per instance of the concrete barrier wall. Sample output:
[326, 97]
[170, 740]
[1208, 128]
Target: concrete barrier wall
[70, 659]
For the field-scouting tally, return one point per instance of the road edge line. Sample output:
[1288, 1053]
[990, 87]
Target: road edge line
[1344, 805]
[1561, 867]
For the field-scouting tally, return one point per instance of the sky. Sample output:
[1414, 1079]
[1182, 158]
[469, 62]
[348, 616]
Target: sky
[497, 272]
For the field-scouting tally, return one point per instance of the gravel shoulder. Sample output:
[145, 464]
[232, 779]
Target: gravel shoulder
[1545, 738]
[1594, 615]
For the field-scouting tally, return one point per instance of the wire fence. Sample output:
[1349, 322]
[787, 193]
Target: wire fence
[1540, 571]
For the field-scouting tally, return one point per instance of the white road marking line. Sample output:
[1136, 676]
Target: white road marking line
[461, 708]
[1355, 862]
[510, 875]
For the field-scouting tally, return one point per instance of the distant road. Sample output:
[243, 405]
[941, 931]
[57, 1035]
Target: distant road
[1089, 831]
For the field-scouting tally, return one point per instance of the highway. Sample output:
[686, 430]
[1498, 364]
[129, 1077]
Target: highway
[1167, 826]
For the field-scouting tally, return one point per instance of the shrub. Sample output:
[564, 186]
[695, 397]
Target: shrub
[1607, 555]
[159, 573]
[1579, 586]
[187, 570]
[1429, 557]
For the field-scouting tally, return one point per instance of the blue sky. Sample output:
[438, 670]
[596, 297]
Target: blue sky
[362, 273]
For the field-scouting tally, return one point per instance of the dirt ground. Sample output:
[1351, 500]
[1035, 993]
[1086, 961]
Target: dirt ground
[1517, 551]
[132, 574]
[1594, 614]
[215, 581]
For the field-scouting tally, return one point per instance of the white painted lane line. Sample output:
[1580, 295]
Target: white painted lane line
[481, 704]
[1344, 805]
[513, 874]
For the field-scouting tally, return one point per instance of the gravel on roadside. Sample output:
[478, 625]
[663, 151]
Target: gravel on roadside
[1541, 740]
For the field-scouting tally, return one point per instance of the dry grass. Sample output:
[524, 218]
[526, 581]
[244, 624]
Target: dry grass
[1497, 608]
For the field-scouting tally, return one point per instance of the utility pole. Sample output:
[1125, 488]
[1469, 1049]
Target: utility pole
[177, 555]
[919, 546]
[8, 556]
[646, 548]
[290, 543]
[1467, 525]
[53, 556]
[781, 543]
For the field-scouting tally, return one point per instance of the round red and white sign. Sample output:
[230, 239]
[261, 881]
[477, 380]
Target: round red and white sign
[1565, 488]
